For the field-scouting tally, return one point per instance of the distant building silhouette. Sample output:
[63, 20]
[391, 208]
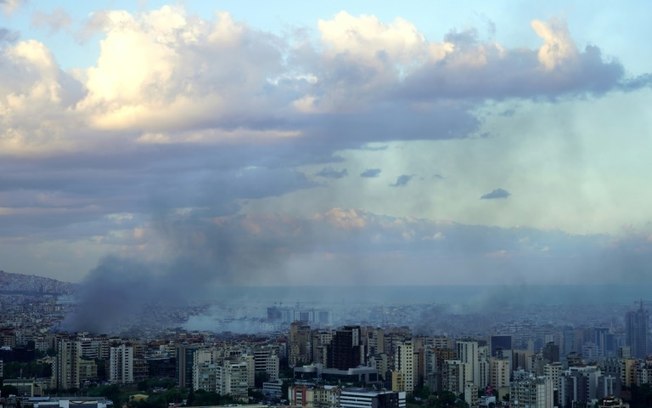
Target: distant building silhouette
[636, 328]
[500, 343]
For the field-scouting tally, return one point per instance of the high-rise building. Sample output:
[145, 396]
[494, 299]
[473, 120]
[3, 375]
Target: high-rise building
[554, 372]
[454, 373]
[185, 359]
[500, 343]
[121, 364]
[65, 374]
[267, 361]
[468, 353]
[299, 347]
[404, 363]
[551, 353]
[532, 393]
[500, 371]
[321, 340]
[345, 350]
[636, 331]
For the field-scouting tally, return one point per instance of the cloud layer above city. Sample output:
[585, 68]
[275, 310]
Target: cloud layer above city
[340, 146]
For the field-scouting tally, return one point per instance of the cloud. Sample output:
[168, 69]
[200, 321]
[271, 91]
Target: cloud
[495, 194]
[222, 81]
[473, 68]
[8, 36]
[371, 173]
[10, 6]
[182, 113]
[55, 21]
[402, 180]
[329, 172]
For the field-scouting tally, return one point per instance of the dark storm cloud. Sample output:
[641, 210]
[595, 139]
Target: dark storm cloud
[495, 194]
[371, 173]
[329, 172]
[402, 180]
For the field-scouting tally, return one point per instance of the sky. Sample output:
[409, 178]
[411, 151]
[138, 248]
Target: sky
[327, 142]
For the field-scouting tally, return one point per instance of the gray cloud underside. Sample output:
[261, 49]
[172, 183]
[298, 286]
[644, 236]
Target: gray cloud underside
[402, 180]
[495, 194]
[329, 172]
[371, 173]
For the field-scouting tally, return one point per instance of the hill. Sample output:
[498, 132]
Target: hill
[17, 283]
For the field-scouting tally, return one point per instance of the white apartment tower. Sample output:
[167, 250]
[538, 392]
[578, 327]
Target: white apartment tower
[468, 353]
[500, 370]
[405, 364]
[121, 360]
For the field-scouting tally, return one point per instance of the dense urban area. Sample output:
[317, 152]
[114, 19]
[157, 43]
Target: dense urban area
[391, 355]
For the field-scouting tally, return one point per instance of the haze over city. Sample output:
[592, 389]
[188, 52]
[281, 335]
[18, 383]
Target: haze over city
[199, 144]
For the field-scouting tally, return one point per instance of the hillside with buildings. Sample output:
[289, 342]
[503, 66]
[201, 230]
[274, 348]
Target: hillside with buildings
[16, 283]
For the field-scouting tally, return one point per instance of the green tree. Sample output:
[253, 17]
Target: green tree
[260, 378]
[9, 390]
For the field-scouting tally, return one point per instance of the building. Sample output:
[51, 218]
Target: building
[533, 392]
[471, 395]
[70, 402]
[185, 354]
[550, 353]
[500, 344]
[27, 387]
[454, 375]
[65, 372]
[300, 350]
[468, 353]
[405, 365]
[612, 402]
[554, 373]
[363, 398]
[121, 364]
[266, 360]
[273, 389]
[345, 350]
[364, 375]
[301, 395]
[225, 378]
[499, 372]
[636, 331]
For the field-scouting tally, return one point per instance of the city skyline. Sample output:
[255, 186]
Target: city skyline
[199, 143]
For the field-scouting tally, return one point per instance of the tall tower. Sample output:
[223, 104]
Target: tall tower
[468, 353]
[345, 348]
[300, 350]
[121, 370]
[66, 368]
[636, 328]
[404, 364]
[185, 359]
